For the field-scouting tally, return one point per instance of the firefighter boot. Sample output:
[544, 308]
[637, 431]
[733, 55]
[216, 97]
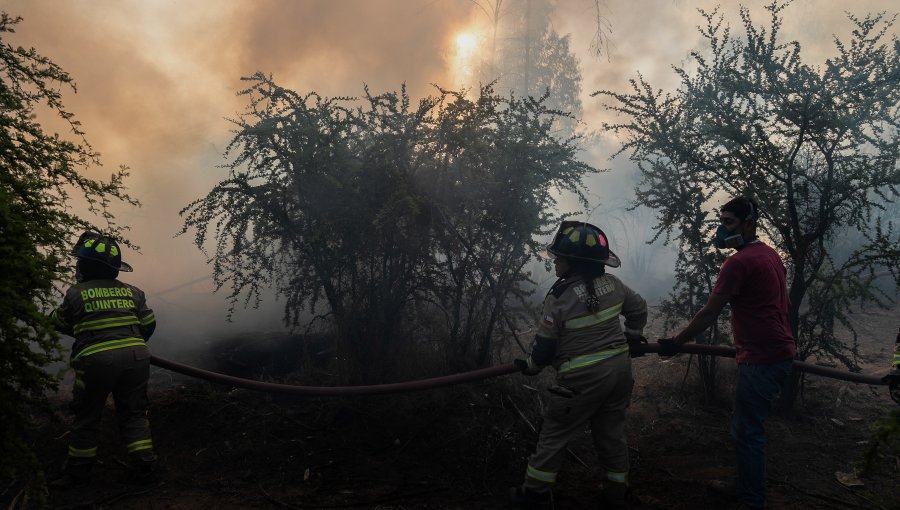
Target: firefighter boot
[614, 496]
[74, 474]
[144, 469]
[723, 489]
[525, 499]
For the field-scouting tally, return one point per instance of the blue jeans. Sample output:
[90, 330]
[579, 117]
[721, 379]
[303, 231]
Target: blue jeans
[758, 386]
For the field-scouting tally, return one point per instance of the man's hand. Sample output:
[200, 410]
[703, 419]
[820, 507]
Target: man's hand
[634, 342]
[667, 347]
[527, 366]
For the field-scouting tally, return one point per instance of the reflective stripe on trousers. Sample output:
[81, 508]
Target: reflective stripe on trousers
[620, 477]
[124, 373]
[143, 444]
[82, 453]
[605, 390]
[541, 476]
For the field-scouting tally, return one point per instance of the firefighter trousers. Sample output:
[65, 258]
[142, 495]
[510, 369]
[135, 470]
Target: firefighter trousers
[124, 373]
[602, 393]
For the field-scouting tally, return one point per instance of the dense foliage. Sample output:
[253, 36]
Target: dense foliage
[38, 174]
[818, 146]
[398, 221]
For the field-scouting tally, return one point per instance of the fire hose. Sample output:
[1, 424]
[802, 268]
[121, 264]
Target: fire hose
[474, 375]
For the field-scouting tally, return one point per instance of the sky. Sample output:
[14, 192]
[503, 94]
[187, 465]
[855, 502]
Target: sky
[157, 79]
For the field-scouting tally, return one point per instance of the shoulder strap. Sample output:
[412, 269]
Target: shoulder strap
[559, 287]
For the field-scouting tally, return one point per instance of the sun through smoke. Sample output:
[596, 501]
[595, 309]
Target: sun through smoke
[464, 58]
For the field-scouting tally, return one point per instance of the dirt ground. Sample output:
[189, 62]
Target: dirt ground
[462, 447]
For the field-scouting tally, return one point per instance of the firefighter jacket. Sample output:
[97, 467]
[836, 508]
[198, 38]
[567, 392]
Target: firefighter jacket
[896, 361]
[103, 315]
[571, 336]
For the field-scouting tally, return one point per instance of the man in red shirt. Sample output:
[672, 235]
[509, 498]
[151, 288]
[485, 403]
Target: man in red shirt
[753, 281]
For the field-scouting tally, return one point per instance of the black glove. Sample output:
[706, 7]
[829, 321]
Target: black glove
[634, 341]
[893, 380]
[527, 366]
[667, 347]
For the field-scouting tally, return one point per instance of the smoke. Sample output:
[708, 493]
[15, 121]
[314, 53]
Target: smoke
[648, 38]
[156, 81]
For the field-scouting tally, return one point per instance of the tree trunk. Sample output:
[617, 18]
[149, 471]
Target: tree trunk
[785, 404]
[527, 40]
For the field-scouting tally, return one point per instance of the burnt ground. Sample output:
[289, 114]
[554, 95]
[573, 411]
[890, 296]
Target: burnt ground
[462, 447]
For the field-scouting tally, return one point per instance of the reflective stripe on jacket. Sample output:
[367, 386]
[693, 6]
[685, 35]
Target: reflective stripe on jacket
[584, 337]
[103, 315]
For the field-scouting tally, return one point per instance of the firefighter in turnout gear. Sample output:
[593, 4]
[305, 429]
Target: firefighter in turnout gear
[893, 379]
[580, 335]
[111, 323]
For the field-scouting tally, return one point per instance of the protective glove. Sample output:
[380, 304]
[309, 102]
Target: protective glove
[667, 347]
[634, 341]
[527, 366]
[893, 380]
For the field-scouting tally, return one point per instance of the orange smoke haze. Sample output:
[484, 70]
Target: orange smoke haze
[157, 78]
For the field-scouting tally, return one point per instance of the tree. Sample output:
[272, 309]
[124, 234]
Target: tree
[39, 174]
[499, 160]
[387, 214]
[695, 266]
[818, 146]
[535, 60]
[493, 13]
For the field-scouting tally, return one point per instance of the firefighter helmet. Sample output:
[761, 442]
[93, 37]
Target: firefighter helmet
[582, 241]
[101, 248]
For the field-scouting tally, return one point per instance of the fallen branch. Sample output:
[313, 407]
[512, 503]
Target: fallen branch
[22, 494]
[512, 330]
[108, 500]
[391, 496]
[128, 494]
[820, 497]
[869, 501]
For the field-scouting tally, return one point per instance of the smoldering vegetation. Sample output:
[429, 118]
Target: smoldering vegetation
[410, 230]
[268, 355]
[402, 222]
[448, 200]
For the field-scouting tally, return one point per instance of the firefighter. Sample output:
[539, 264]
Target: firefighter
[896, 363]
[111, 323]
[893, 379]
[579, 333]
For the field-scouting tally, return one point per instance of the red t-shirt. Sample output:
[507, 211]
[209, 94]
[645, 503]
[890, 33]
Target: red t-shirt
[755, 279]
